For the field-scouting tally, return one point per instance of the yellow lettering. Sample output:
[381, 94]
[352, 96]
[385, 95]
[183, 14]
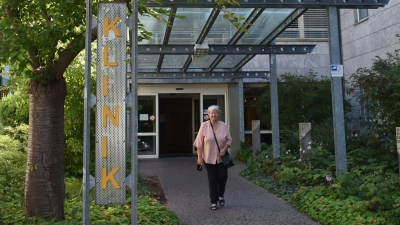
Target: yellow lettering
[109, 177]
[112, 26]
[114, 119]
[105, 85]
[105, 58]
[104, 146]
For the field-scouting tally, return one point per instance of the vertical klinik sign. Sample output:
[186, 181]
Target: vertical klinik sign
[110, 105]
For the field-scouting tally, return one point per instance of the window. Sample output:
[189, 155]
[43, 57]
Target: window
[312, 24]
[361, 14]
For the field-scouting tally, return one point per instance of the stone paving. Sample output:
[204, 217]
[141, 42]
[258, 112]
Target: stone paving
[186, 191]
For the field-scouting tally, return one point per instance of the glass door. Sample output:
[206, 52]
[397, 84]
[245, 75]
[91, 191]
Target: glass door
[207, 100]
[147, 126]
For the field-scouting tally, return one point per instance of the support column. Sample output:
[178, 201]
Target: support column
[87, 106]
[235, 118]
[274, 106]
[337, 92]
[133, 115]
[241, 109]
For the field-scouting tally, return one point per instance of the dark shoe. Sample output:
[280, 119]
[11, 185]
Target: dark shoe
[221, 201]
[213, 206]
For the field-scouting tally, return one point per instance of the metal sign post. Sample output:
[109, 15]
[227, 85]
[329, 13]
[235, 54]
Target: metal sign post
[87, 106]
[111, 105]
[112, 101]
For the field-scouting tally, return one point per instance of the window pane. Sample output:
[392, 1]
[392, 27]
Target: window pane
[264, 25]
[146, 145]
[146, 109]
[251, 95]
[361, 14]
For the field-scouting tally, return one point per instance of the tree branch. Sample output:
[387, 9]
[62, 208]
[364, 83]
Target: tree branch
[33, 53]
[67, 56]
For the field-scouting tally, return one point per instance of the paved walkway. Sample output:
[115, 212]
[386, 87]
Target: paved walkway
[186, 191]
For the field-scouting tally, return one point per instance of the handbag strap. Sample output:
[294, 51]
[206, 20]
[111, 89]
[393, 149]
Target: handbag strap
[219, 150]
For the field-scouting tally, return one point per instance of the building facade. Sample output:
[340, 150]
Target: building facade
[367, 34]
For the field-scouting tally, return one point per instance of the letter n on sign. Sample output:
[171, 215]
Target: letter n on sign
[110, 106]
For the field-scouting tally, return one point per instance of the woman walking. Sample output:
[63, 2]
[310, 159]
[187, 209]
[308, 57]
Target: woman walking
[208, 153]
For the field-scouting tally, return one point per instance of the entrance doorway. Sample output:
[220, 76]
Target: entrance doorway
[175, 112]
[170, 116]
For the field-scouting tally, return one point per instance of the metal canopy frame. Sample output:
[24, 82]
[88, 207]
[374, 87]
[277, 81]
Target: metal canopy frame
[370, 4]
[217, 60]
[244, 52]
[226, 49]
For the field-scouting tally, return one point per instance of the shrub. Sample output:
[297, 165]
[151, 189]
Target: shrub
[12, 185]
[368, 194]
[14, 108]
[378, 88]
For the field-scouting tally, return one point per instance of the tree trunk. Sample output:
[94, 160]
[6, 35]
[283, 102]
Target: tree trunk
[44, 184]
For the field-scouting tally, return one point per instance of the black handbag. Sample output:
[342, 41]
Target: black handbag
[227, 158]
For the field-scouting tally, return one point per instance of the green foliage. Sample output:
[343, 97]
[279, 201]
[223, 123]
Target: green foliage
[368, 194]
[244, 153]
[323, 204]
[14, 108]
[18, 134]
[302, 98]
[74, 116]
[378, 88]
[12, 185]
[12, 179]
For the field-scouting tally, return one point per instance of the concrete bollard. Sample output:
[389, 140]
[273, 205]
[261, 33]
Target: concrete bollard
[305, 139]
[255, 136]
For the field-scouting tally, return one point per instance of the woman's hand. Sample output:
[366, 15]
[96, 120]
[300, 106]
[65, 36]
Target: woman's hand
[200, 161]
[222, 152]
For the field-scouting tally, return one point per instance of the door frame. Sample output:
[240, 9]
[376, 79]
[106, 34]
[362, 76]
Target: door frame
[202, 108]
[151, 133]
[201, 89]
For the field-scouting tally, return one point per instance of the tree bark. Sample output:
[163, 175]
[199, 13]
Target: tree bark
[44, 184]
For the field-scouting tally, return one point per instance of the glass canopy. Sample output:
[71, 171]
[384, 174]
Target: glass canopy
[202, 26]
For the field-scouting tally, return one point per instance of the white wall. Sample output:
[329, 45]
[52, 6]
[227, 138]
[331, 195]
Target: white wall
[318, 61]
[375, 36]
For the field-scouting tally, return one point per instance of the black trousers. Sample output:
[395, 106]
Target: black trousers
[217, 177]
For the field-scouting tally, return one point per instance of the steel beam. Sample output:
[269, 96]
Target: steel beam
[168, 30]
[250, 20]
[282, 26]
[337, 92]
[203, 35]
[202, 75]
[207, 27]
[365, 4]
[274, 34]
[253, 17]
[226, 49]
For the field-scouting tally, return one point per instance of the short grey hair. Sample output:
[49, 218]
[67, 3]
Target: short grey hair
[214, 108]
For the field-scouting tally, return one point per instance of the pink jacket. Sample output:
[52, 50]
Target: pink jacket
[205, 140]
